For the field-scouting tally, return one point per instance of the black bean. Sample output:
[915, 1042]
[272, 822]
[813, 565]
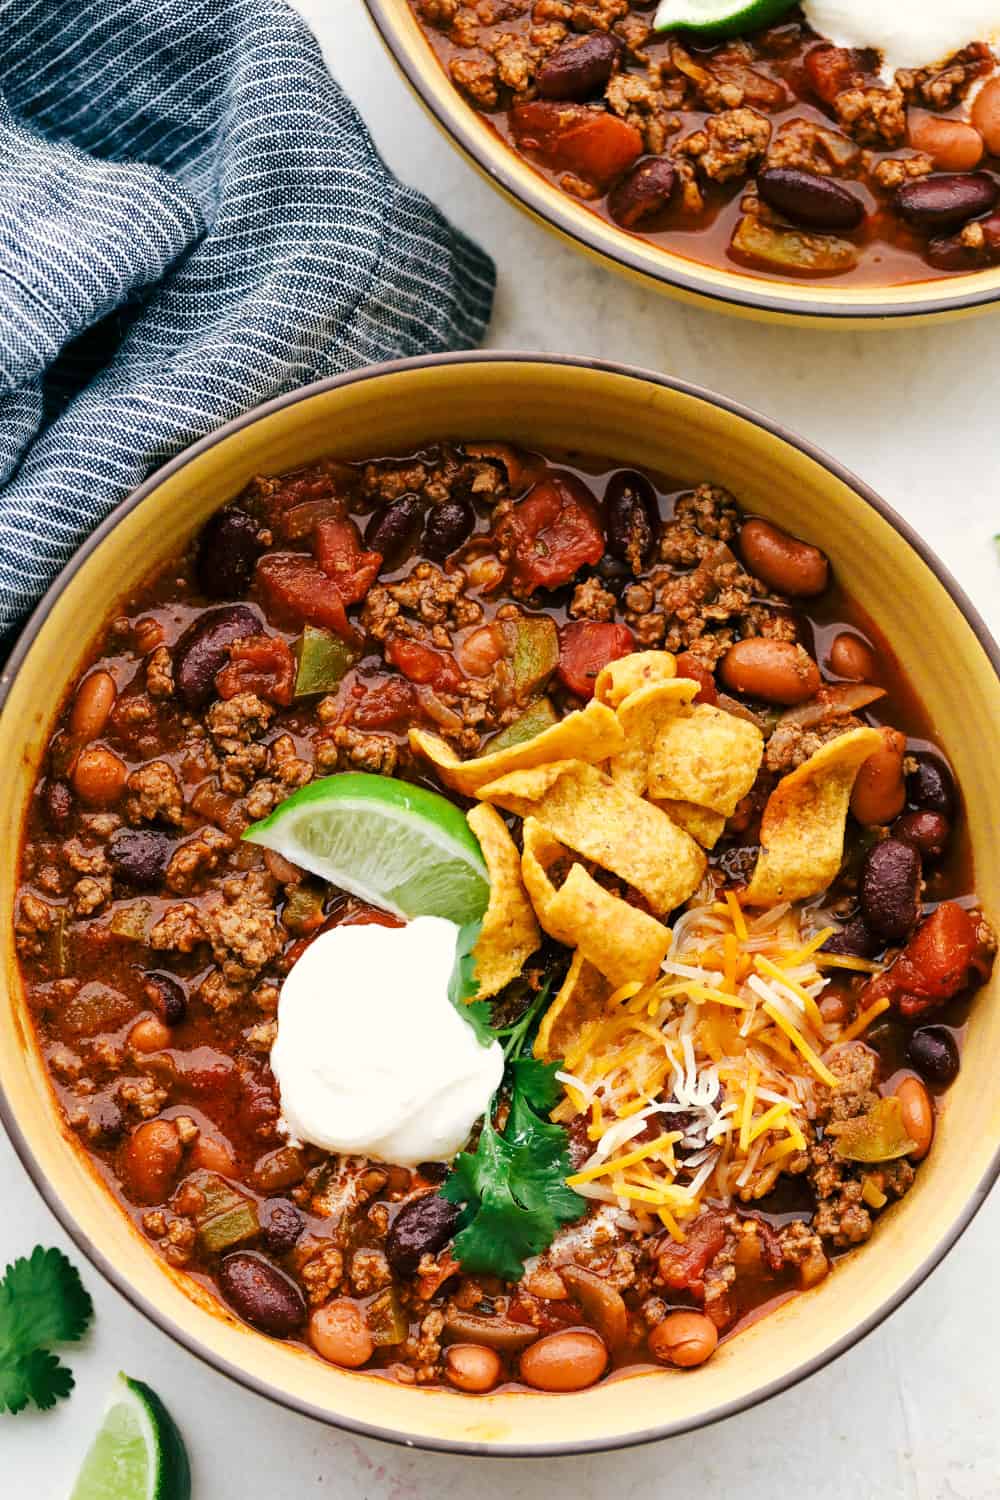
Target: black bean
[927, 832]
[933, 1051]
[644, 191]
[946, 200]
[580, 67]
[203, 650]
[228, 549]
[106, 1118]
[393, 531]
[632, 518]
[422, 1227]
[282, 1225]
[57, 800]
[139, 857]
[931, 787]
[166, 996]
[808, 199]
[890, 889]
[855, 940]
[262, 1295]
[448, 526]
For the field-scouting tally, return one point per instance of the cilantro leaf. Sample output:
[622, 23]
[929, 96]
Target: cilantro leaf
[42, 1302]
[464, 984]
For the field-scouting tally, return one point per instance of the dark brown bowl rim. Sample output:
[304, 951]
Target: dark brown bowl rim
[119, 1280]
[673, 271]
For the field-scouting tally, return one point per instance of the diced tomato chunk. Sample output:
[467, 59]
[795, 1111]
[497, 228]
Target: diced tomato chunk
[830, 70]
[338, 549]
[386, 704]
[551, 533]
[688, 665]
[585, 647]
[297, 587]
[260, 664]
[683, 1267]
[579, 138]
[424, 664]
[545, 1313]
[950, 950]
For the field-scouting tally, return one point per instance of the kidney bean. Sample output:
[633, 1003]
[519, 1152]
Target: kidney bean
[448, 526]
[472, 1367]
[139, 856]
[879, 792]
[684, 1338]
[203, 650]
[931, 787]
[986, 115]
[807, 199]
[927, 832]
[632, 518]
[340, 1333]
[228, 549]
[918, 1115]
[615, 576]
[783, 562]
[579, 68]
[421, 1227]
[567, 1361]
[953, 145]
[166, 996]
[263, 1296]
[393, 531]
[776, 671]
[853, 658]
[889, 889]
[99, 776]
[855, 940]
[281, 1225]
[92, 705]
[945, 202]
[57, 802]
[150, 1161]
[644, 191]
[934, 1053]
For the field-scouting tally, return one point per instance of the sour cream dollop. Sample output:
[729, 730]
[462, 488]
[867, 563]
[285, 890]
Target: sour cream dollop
[908, 33]
[371, 1057]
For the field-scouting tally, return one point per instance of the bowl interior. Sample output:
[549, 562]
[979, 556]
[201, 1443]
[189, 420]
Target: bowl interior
[634, 420]
[738, 292]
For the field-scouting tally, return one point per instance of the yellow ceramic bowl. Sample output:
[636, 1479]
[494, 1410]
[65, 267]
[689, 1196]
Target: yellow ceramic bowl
[741, 293]
[637, 419]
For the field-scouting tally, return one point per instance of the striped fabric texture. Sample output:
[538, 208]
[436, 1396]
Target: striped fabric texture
[193, 219]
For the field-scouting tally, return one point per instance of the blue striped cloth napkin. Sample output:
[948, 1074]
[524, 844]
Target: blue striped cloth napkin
[193, 218]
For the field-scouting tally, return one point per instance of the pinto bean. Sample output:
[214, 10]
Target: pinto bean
[783, 562]
[927, 832]
[808, 199]
[472, 1368]
[149, 1035]
[776, 671]
[853, 658]
[632, 519]
[952, 145]
[150, 1161]
[684, 1338]
[139, 856]
[889, 890]
[879, 792]
[580, 67]
[263, 1296]
[393, 531]
[340, 1333]
[644, 191]
[986, 115]
[934, 1053]
[99, 776]
[447, 527]
[213, 1153]
[92, 705]
[918, 1115]
[567, 1361]
[421, 1227]
[931, 786]
[946, 201]
[203, 650]
[228, 549]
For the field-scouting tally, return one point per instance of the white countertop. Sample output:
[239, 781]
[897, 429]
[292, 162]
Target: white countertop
[912, 1412]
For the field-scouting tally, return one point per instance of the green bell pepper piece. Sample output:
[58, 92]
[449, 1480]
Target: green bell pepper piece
[323, 661]
[536, 717]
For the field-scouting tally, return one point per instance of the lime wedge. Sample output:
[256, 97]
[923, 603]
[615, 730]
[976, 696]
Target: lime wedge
[405, 849]
[720, 18]
[138, 1454]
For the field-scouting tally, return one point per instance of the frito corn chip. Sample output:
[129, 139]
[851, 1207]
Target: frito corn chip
[591, 734]
[642, 715]
[510, 933]
[802, 831]
[580, 1002]
[621, 941]
[707, 757]
[700, 822]
[587, 812]
[629, 673]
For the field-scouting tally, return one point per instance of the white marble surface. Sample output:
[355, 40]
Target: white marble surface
[912, 1413]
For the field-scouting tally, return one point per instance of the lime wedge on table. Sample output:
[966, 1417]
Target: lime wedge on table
[405, 849]
[138, 1453]
[719, 17]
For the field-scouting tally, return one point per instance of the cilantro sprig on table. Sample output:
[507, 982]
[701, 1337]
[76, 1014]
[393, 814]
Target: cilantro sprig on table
[513, 1186]
[42, 1302]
